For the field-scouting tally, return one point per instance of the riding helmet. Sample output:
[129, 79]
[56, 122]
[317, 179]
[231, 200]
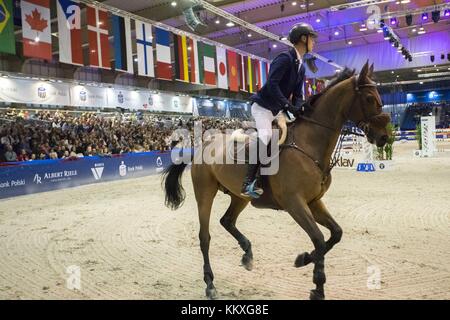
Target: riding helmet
[301, 29]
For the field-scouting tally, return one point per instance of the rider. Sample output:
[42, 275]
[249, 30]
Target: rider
[285, 80]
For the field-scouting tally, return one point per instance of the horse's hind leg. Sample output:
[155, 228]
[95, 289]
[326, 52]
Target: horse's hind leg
[228, 221]
[205, 188]
[323, 217]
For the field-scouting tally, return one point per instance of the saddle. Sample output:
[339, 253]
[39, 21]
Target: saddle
[245, 139]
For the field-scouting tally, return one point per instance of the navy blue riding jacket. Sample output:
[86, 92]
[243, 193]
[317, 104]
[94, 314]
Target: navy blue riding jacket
[285, 78]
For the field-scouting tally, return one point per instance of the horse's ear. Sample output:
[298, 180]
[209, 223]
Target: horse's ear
[363, 74]
[370, 74]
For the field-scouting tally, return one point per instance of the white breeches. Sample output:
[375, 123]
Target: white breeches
[263, 118]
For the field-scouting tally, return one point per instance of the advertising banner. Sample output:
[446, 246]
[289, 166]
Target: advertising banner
[20, 178]
[32, 91]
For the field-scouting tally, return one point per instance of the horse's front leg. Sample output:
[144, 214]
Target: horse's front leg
[299, 210]
[323, 217]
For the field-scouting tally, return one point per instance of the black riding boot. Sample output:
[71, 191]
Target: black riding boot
[250, 188]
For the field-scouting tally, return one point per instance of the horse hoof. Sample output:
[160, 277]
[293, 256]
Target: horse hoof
[303, 260]
[316, 295]
[247, 262]
[211, 294]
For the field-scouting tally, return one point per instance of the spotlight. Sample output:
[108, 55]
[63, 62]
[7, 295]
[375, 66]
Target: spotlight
[436, 16]
[386, 34]
[393, 21]
[396, 44]
[432, 58]
[381, 23]
[336, 33]
[424, 16]
[447, 13]
[410, 59]
[408, 19]
[173, 4]
[349, 42]
[442, 56]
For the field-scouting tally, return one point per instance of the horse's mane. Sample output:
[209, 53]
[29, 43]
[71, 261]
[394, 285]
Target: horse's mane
[344, 75]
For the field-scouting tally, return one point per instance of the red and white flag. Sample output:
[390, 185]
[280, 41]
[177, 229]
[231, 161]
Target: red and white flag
[37, 37]
[69, 32]
[222, 68]
[97, 20]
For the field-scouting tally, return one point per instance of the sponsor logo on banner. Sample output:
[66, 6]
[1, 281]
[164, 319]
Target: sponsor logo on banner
[97, 171]
[55, 176]
[122, 169]
[37, 179]
[42, 92]
[150, 101]
[176, 104]
[83, 95]
[12, 183]
[120, 97]
[159, 165]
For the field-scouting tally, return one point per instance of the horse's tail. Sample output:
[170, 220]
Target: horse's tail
[174, 190]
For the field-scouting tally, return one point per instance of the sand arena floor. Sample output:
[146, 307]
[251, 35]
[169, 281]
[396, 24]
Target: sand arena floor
[129, 246]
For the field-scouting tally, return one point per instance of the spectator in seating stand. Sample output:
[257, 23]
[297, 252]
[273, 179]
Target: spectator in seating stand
[10, 155]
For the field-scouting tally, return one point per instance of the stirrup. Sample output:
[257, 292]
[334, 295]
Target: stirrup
[251, 192]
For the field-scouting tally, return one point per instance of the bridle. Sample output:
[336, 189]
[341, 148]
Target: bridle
[363, 124]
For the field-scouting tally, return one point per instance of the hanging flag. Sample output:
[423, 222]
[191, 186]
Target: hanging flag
[144, 43]
[263, 72]
[163, 56]
[209, 64]
[181, 58]
[97, 20]
[17, 13]
[123, 54]
[7, 39]
[233, 70]
[250, 75]
[222, 76]
[37, 38]
[195, 73]
[69, 32]
[242, 73]
[257, 69]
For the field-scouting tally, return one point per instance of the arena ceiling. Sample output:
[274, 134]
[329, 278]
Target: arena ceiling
[337, 29]
[337, 21]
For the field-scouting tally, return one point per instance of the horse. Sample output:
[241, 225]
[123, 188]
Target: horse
[302, 179]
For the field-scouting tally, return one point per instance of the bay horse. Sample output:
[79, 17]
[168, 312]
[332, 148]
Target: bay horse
[303, 176]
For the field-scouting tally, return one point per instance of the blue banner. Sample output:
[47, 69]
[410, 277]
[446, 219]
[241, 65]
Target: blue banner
[428, 96]
[19, 178]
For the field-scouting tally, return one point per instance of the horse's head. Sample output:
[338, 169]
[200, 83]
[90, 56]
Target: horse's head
[366, 110]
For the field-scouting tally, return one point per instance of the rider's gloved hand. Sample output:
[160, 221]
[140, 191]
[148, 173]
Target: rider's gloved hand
[292, 109]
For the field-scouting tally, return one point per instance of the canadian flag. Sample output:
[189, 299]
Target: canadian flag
[37, 37]
[222, 68]
[97, 20]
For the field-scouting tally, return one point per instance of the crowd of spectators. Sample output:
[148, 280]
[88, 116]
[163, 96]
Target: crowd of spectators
[39, 135]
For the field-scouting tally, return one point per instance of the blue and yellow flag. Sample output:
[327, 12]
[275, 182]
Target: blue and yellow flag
[7, 40]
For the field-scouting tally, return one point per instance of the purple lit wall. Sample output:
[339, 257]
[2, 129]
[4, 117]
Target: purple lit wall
[386, 57]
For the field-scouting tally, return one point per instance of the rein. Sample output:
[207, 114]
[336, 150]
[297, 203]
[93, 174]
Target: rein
[363, 125]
